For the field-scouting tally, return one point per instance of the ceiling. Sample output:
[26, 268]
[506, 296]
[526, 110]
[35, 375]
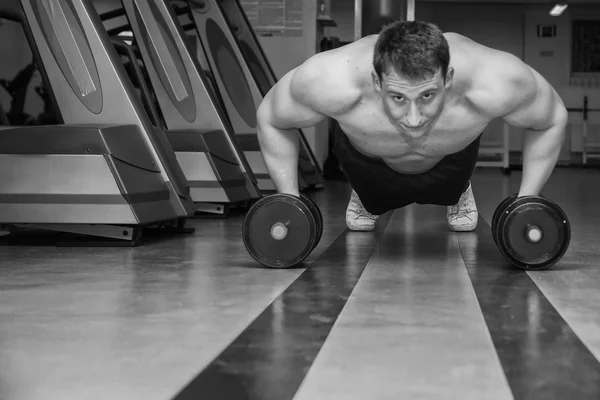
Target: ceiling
[549, 3]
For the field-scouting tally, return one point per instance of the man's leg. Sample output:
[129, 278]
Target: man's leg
[463, 216]
[379, 187]
[449, 184]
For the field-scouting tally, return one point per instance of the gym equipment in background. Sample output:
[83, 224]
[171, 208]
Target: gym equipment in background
[531, 232]
[265, 78]
[197, 128]
[17, 89]
[591, 150]
[242, 85]
[48, 115]
[138, 78]
[108, 172]
[3, 118]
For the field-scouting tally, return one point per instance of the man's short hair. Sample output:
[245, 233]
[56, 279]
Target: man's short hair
[415, 50]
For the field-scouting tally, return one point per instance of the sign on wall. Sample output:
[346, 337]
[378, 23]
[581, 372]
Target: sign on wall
[275, 17]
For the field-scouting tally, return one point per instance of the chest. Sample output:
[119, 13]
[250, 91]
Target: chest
[374, 134]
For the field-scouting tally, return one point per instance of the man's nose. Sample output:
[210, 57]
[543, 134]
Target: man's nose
[414, 115]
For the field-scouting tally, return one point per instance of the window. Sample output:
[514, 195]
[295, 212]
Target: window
[585, 47]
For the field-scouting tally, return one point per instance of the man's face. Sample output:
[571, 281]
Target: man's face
[413, 105]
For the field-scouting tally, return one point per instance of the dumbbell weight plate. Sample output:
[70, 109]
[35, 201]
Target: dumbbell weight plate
[314, 208]
[279, 231]
[533, 233]
[499, 210]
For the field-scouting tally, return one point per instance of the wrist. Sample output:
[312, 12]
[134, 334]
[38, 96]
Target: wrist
[289, 189]
[523, 193]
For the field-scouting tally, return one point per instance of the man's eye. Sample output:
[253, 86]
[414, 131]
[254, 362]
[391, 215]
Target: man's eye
[428, 95]
[398, 98]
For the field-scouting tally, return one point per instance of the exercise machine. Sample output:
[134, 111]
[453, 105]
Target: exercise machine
[256, 60]
[105, 171]
[197, 128]
[240, 88]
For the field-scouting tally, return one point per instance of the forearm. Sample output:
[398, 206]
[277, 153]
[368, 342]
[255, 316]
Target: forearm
[541, 150]
[279, 149]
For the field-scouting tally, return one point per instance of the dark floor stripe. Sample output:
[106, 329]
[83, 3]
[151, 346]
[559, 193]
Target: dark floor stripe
[270, 359]
[541, 356]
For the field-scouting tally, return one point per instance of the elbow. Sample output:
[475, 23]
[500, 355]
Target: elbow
[263, 116]
[260, 112]
[561, 121]
[561, 116]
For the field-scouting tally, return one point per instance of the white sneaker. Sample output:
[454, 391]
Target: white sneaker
[463, 216]
[357, 218]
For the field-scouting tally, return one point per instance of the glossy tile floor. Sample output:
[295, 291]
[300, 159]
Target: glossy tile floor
[410, 311]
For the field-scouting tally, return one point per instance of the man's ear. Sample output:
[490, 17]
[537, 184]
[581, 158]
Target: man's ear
[376, 81]
[449, 77]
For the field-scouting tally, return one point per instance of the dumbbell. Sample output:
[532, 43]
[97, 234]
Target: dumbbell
[281, 230]
[531, 232]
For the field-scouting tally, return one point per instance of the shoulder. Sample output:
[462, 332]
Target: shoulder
[497, 82]
[515, 85]
[331, 82]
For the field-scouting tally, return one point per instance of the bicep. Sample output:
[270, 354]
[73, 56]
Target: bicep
[283, 107]
[535, 103]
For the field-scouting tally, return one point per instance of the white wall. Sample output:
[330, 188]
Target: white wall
[556, 69]
[494, 25]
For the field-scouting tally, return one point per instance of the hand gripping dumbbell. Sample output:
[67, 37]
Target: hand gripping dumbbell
[531, 232]
[281, 230]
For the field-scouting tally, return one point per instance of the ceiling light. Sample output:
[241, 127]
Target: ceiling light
[558, 9]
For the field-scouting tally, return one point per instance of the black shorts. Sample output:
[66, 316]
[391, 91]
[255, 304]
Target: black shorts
[381, 189]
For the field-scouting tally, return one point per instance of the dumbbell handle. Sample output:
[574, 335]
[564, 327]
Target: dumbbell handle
[533, 233]
[279, 231]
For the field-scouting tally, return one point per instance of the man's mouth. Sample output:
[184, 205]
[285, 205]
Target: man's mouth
[414, 128]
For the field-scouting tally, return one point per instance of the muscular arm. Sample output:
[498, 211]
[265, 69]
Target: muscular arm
[536, 107]
[284, 109]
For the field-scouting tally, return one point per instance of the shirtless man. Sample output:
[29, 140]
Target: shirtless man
[411, 103]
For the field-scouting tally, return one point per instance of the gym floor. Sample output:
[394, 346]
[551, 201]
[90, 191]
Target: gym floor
[411, 311]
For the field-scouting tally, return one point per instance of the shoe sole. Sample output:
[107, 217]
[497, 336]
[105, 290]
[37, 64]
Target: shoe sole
[463, 228]
[364, 228]
[361, 229]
